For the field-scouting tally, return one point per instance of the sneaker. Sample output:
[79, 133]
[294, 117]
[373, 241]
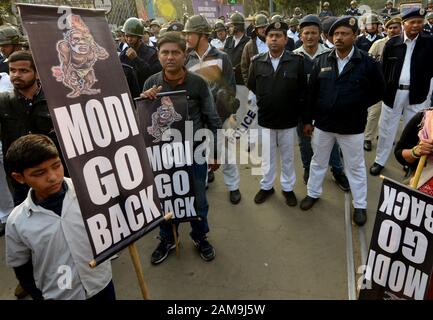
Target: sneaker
[206, 250]
[262, 195]
[341, 180]
[162, 250]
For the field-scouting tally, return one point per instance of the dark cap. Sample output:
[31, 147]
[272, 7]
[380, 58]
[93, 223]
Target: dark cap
[277, 26]
[346, 21]
[175, 26]
[413, 13]
[327, 24]
[309, 20]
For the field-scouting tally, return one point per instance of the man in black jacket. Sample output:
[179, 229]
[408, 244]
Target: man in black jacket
[408, 82]
[344, 83]
[143, 59]
[278, 80]
[371, 34]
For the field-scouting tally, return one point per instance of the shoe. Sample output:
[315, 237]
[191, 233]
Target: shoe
[2, 229]
[235, 197]
[341, 180]
[290, 198]
[210, 176]
[306, 175]
[360, 216]
[367, 145]
[206, 250]
[308, 202]
[262, 195]
[162, 250]
[20, 293]
[376, 169]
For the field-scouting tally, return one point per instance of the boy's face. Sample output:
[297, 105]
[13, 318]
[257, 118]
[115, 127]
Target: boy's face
[46, 178]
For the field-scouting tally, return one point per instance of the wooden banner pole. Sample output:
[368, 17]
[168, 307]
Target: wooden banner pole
[418, 172]
[175, 239]
[139, 271]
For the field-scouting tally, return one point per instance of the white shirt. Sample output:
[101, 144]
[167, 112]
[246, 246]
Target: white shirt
[342, 62]
[262, 47]
[320, 49]
[275, 61]
[329, 44]
[5, 83]
[293, 35]
[54, 242]
[237, 40]
[405, 71]
[370, 37]
[217, 43]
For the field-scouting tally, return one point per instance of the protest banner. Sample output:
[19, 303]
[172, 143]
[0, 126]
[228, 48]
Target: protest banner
[93, 115]
[400, 258]
[170, 153]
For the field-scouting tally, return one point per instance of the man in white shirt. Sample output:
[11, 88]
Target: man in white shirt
[221, 35]
[409, 82]
[293, 30]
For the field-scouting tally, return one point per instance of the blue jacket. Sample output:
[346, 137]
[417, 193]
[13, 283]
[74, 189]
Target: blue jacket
[338, 102]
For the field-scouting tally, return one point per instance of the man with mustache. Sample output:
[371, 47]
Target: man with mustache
[344, 83]
[408, 82]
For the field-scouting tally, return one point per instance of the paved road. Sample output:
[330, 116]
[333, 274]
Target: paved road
[270, 251]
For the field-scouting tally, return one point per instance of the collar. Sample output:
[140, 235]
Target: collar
[204, 54]
[321, 49]
[31, 207]
[272, 58]
[405, 38]
[179, 82]
[355, 55]
[349, 56]
[35, 95]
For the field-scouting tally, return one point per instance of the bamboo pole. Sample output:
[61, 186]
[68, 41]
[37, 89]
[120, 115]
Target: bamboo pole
[418, 172]
[175, 239]
[139, 271]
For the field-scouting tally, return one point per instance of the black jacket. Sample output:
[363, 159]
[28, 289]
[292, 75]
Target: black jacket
[428, 29]
[235, 55]
[338, 102]
[364, 44]
[146, 63]
[421, 70]
[281, 93]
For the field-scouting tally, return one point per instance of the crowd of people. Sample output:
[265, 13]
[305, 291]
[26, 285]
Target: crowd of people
[326, 82]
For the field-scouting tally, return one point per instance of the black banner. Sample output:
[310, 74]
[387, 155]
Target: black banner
[93, 115]
[400, 259]
[170, 151]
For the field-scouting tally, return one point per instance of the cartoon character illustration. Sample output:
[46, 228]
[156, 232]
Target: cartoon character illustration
[78, 53]
[163, 118]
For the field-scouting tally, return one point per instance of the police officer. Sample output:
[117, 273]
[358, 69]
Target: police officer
[143, 59]
[297, 14]
[389, 9]
[409, 82]
[353, 10]
[428, 27]
[344, 83]
[326, 26]
[325, 11]
[215, 66]
[310, 28]
[10, 41]
[220, 35]
[155, 28]
[278, 80]
[256, 45]
[393, 29]
[371, 35]
[293, 30]
[290, 45]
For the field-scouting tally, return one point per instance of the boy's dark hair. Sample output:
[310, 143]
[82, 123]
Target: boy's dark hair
[29, 151]
[173, 37]
[22, 56]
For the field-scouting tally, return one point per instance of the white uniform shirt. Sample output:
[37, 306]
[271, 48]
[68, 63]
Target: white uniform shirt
[262, 47]
[405, 71]
[293, 35]
[217, 43]
[275, 61]
[55, 244]
[342, 62]
[5, 83]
